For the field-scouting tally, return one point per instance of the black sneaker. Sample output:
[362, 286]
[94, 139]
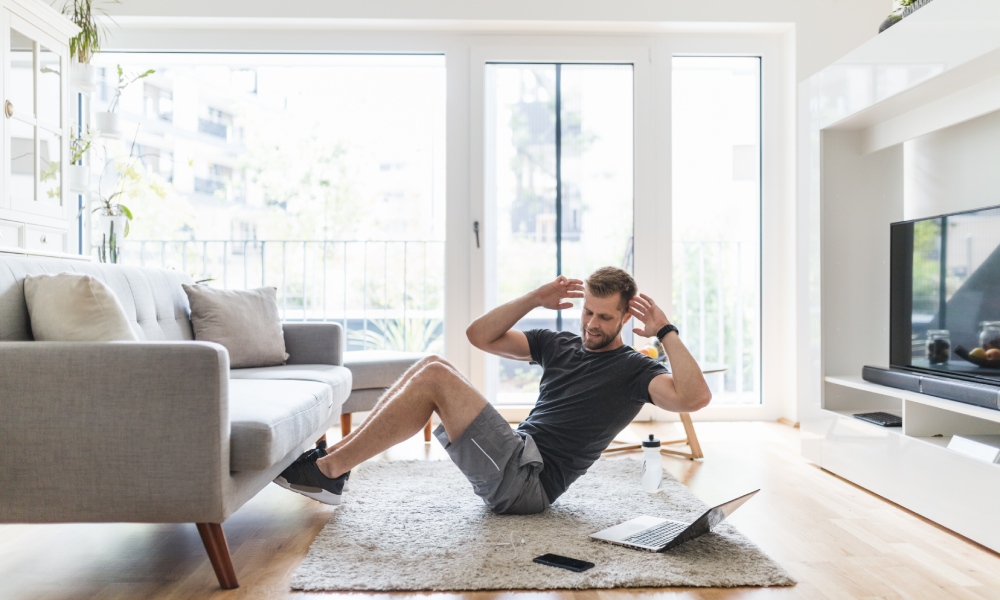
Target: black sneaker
[304, 477]
[314, 454]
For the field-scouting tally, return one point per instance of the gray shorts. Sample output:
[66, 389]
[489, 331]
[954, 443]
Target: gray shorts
[502, 465]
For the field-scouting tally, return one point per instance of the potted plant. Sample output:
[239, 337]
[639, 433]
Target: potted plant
[123, 178]
[108, 123]
[77, 173]
[86, 43]
[901, 8]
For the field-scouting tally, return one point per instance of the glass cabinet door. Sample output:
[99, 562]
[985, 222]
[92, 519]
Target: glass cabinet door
[33, 107]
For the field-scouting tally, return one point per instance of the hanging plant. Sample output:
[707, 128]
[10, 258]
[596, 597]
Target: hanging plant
[87, 43]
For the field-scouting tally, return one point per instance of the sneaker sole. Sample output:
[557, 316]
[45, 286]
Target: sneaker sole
[320, 495]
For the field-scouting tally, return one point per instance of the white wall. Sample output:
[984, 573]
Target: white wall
[825, 29]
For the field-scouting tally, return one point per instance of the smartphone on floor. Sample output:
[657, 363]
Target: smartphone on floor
[564, 562]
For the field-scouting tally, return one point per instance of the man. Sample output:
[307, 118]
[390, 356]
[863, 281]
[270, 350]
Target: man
[592, 386]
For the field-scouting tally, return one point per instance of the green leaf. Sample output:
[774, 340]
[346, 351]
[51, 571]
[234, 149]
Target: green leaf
[125, 211]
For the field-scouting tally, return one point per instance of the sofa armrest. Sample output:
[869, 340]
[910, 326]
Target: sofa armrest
[314, 343]
[113, 431]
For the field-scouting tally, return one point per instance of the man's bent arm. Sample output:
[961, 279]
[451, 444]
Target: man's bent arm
[494, 333]
[684, 389]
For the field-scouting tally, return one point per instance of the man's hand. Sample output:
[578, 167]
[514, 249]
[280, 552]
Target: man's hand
[551, 295]
[645, 310]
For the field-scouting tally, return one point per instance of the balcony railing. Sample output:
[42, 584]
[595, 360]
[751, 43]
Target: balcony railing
[387, 294]
[219, 130]
[390, 294]
[716, 289]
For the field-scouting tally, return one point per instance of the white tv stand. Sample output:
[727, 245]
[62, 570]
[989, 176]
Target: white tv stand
[906, 126]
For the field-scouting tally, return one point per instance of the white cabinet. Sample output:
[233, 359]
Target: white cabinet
[36, 126]
[906, 126]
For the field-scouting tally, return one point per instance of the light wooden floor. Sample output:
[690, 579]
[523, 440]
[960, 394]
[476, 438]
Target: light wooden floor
[838, 540]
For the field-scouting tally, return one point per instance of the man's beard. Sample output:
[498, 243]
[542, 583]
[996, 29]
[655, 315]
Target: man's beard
[601, 342]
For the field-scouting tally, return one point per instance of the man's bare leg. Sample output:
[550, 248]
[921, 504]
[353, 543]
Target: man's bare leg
[393, 390]
[435, 388]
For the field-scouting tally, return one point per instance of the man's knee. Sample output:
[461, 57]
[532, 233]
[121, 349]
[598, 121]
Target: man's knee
[435, 372]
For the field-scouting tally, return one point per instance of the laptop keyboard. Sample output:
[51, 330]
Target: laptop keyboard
[657, 535]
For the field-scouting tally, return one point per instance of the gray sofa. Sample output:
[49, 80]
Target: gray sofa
[156, 431]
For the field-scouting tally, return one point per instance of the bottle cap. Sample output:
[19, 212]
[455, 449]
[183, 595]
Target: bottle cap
[651, 442]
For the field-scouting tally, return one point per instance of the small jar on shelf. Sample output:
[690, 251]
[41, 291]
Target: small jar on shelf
[938, 346]
[989, 335]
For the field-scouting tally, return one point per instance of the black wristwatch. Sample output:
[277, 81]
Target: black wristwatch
[665, 330]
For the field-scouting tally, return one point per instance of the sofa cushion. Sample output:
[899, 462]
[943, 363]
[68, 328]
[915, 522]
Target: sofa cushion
[246, 322]
[338, 378]
[70, 307]
[268, 419]
[378, 368]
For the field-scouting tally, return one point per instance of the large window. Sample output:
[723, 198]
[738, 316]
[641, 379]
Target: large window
[559, 140]
[320, 175]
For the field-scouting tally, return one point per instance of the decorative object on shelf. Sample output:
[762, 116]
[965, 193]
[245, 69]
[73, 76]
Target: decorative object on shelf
[938, 346]
[109, 250]
[123, 178]
[989, 335]
[901, 9]
[108, 122]
[78, 173]
[86, 43]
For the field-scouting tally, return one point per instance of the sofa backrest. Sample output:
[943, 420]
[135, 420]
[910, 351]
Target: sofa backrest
[153, 299]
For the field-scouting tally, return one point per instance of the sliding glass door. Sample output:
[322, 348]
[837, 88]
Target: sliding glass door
[559, 179]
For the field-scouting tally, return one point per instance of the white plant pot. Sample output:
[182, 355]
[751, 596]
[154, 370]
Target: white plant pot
[108, 124]
[103, 231]
[83, 77]
[78, 178]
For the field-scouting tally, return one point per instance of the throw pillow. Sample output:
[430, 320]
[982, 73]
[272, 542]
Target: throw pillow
[246, 322]
[69, 307]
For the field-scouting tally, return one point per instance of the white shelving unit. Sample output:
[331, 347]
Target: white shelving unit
[35, 212]
[906, 126]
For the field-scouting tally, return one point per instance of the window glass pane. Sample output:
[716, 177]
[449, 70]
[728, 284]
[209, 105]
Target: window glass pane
[21, 89]
[716, 219]
[596, 172]
[522, 184]
[49, 85]
[321, 175]
[49, 168]
[559, 151]
[22, 160]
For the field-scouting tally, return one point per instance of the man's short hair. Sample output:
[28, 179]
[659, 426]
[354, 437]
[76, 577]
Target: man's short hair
[608, 281]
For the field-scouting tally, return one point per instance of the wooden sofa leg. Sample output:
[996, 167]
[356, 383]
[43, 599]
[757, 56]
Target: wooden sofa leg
[218, 553]
[321, 442]
[427, 431]
[345, 425]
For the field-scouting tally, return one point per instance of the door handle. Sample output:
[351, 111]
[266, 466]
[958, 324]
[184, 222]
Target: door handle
[475, 230]
[8, 109]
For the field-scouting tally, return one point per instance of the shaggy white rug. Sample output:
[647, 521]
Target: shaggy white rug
[416, 525]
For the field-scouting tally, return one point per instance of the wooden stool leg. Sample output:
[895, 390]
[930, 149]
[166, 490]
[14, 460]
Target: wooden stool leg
[218, 554]
[427, 430]
[692, 437]
[345, 425]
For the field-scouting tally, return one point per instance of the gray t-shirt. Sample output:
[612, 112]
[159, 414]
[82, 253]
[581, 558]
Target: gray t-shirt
[584, 401]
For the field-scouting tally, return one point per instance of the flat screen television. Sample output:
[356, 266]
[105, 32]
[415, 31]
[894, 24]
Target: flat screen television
[945, 281]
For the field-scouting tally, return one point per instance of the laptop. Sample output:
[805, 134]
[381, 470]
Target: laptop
[656, 535]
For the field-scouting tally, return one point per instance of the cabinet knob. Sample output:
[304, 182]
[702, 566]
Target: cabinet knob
[8, 109]
[43, 239]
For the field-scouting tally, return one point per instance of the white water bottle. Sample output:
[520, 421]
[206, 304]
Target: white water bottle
[652, 465]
